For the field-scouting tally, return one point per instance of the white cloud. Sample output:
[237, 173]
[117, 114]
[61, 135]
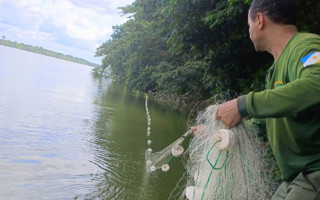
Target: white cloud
[83, 24]
[78, 22]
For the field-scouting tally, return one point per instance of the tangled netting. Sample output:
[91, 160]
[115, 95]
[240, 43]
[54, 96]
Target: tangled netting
[161, 159]
[223, 163]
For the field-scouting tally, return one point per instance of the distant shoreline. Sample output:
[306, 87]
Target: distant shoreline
[42, 51]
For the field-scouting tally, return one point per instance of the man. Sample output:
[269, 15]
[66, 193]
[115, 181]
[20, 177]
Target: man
[290, 104]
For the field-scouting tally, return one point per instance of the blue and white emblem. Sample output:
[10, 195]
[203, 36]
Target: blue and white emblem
[310, 59]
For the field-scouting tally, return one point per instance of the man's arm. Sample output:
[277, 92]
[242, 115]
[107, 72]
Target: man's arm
[283, 101]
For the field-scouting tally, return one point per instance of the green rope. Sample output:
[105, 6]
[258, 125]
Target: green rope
[250, 175]
[169, 159]
[206, 184]
[231, 195]
[219, 181]
[214, 166]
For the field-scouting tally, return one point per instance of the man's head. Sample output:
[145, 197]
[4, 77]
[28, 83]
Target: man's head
[279, 12]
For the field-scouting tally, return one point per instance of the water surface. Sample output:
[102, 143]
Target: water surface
[65, 135]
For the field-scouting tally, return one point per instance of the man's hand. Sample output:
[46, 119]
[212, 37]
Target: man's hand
[197, 129]
[228, 113]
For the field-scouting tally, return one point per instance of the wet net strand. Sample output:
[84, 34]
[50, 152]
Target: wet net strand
[161, 159]
[236, 172]
[220, 163]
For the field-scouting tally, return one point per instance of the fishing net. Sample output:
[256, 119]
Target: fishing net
[221, 163]
[161, 159]
[224, 163]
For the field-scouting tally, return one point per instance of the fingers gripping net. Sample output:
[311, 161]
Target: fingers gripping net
[223, 163]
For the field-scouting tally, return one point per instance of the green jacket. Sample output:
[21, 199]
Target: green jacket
[291, 106]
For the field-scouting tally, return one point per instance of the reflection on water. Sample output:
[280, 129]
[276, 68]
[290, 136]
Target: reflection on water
[120, 143]
[64, 135]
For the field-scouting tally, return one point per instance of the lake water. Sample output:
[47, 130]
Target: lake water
[65, 135]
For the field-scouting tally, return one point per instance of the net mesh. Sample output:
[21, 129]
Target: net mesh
[156, 160]
[220, 163]
[236, 173]
[160, 160]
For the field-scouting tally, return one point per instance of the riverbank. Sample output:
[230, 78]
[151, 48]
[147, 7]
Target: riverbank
[42, 51]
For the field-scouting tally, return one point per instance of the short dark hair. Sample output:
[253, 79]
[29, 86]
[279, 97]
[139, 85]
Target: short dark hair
[278, 11]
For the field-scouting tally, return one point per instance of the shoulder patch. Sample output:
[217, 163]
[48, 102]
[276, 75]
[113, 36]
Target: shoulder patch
[278, 84]
[310, 59]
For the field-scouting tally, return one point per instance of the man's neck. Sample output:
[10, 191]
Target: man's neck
[279, 36]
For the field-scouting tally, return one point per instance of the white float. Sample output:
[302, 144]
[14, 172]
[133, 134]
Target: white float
[177, 150]
[227, 138]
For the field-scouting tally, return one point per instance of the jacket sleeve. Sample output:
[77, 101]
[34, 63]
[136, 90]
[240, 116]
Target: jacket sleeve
[286, 100]
[259, 123]
[303, 90]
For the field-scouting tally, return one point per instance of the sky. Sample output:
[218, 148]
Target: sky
[71, 27]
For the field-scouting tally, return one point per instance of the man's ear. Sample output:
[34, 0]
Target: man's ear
[260, 21]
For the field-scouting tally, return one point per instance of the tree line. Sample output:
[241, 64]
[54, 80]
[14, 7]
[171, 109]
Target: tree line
[4, 41]
[190, 50]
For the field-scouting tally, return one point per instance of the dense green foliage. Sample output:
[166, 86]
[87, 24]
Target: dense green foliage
[45, 52]
[191, 49]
